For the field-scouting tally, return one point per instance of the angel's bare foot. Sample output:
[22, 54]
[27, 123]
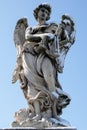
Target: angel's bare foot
[31, 115]
[37, 117]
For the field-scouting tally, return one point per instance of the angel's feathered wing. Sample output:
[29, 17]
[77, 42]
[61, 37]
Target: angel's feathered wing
[19, 40]
[19, 33]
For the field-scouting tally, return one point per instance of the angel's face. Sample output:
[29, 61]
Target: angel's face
[43, 14]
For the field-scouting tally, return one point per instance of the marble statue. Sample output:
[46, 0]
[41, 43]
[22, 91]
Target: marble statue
[41, 52]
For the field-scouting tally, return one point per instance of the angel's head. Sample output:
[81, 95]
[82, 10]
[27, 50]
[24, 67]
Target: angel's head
[43, 12]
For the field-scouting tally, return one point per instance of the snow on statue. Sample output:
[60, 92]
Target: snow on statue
[41, 54]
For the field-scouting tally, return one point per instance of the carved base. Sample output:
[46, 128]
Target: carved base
[24, 119]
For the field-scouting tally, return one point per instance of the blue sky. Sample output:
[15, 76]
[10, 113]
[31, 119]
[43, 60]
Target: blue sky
[74, 77]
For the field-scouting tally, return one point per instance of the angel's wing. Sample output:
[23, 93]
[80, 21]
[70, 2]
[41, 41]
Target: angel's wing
[19, 33]
[19, 39]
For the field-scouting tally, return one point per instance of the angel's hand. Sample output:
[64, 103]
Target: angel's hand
[59, 30]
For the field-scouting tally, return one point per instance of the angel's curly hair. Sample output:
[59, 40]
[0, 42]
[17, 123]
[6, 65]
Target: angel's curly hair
[44, 5]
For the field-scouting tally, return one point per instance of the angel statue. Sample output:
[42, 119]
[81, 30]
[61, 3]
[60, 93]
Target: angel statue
[41, 54]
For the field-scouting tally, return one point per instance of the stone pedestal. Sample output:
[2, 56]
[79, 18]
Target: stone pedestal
[53, 128]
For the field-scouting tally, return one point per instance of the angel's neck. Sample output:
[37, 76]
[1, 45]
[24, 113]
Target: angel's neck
[41, 22]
